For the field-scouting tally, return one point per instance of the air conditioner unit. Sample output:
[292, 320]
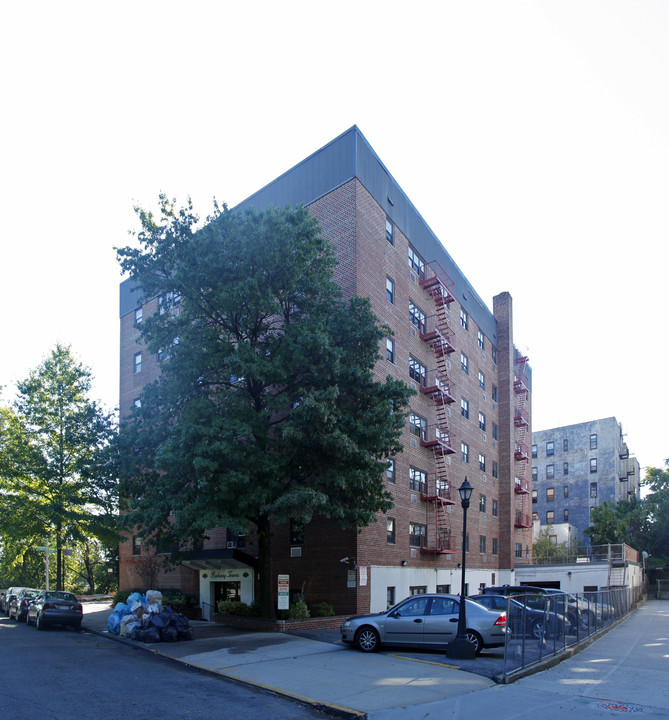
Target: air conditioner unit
[413, 276]
[296, 552]
[231, 544]
[413, 332]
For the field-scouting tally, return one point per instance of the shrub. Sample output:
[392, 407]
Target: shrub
[323, 609]
[298, 611]
[236, 607]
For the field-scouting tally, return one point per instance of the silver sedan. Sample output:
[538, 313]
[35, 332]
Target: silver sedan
[427, 621]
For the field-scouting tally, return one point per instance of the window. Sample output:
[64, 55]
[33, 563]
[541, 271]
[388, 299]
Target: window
[565, 445]
[420, 608]
[481, 462]
[482, 420]
[416, 262]
[138, 315]
[495, 431]
[390, 531]
[550, 494]
[417, 317]
[565, 468]
[550, 517]
[390, 350]
[495, 549]
[550, 448]
[137, 364]
[168, 301]
[417, 425]
[495, 469]
[464, 363]
[550, 472]
[519, 550]
[535, 516]
[534, 452]
[464, 408]
[296, 532]
[390, 237]
[416, 533]
[482, 503]
[136, 545]
[481, 380]
[417, 371]
[464, 319]
[464, 452]
[444, 589]
[390, 290]
[566, 491]
[481, 340]
[390, 597]
[593, 465]
[482, 544]
[535, 496]
[494, 355]
[390, 471]
[593, 441]
[593, 489]
[494, 393]
[535, 474]
[417, 479]
[495, 508]
[566, 515]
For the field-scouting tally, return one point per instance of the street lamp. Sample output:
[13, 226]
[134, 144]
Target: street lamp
[462, 648]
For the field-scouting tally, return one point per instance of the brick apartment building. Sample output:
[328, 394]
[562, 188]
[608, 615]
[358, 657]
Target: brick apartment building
[470, 417]
[576, 468]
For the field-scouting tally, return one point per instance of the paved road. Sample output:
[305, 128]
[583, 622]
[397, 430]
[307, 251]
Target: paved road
[60, 674]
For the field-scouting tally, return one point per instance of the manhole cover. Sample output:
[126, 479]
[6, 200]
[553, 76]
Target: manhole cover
[622, 707]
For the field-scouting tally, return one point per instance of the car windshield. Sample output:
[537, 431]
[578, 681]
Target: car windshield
[31, 593]
[60, 595]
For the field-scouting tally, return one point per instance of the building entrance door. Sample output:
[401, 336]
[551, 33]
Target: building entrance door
[229, 590]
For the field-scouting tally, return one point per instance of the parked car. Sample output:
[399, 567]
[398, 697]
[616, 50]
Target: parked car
[522, 618]
[425, 621]
[542, 598]
[55, 607]
[10, 593]
[18, 605]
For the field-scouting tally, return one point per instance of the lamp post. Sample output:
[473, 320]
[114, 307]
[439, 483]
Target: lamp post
[462, 648]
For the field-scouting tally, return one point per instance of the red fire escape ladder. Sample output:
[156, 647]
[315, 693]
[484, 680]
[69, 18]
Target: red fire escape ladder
[436, 493]
[521, 421]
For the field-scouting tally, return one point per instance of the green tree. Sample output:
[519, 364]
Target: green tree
[266, 408]
[621, 522]
[657, 513]
[58, 470]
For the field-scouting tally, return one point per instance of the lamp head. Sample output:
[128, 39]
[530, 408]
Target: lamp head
[465, 491]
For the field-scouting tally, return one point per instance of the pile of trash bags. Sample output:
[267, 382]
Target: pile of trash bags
[145, 618]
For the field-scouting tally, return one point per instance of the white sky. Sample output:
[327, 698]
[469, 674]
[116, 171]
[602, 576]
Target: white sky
[533, 135]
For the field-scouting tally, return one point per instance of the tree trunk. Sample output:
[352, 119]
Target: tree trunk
[265, 589]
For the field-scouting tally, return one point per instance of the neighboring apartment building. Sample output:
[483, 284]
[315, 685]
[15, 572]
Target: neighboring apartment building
[575, 468]
[471, 415]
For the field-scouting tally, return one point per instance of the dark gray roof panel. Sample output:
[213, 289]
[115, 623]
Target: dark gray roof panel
[129, 297]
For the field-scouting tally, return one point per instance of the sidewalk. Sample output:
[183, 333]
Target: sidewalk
[626, 668]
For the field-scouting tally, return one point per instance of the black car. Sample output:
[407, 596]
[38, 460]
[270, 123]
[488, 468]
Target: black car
[547, 599]
[19, 604]
[55, 607]
[522, 618]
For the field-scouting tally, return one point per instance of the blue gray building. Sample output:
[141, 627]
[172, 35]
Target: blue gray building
[576, 468]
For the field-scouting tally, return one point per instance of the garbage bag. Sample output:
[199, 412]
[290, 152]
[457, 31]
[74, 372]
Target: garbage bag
[123, 627]
[147, 635]
[154, 597]
[114, 623]
[169, 634]
[156, 621]
[186, 634]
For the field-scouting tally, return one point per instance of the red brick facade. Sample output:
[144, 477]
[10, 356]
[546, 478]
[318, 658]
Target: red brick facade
[478, 424]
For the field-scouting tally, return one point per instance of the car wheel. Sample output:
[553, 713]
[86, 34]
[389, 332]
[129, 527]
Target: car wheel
[367, 639]
[587, 620]
[39, 623]
[76, 627]
[537, 630]
[476, 640]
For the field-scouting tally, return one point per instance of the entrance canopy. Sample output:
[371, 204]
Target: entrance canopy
[219, 560]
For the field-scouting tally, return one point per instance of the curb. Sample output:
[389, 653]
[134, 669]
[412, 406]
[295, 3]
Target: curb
[334, 710]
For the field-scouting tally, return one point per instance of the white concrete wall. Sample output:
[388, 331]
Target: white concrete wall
[209, 577]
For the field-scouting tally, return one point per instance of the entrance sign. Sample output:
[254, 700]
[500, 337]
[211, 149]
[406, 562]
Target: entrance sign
[283, 592]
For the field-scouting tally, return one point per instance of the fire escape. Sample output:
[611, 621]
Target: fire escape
[521, 421]
[436, 492]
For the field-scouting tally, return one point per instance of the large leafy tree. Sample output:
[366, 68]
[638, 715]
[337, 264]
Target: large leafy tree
[621, 522]
[58, 470]
[266, 408]
[657, 507]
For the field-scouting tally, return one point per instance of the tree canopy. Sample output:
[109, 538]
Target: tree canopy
[58, 471]
[266, 408]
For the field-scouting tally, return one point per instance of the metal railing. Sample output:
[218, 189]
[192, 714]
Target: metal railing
[586, 554]
[541, 626]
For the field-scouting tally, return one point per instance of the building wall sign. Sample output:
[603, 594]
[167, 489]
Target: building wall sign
[221, 575]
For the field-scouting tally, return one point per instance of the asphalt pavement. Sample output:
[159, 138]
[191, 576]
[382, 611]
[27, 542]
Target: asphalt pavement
[624, 670]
